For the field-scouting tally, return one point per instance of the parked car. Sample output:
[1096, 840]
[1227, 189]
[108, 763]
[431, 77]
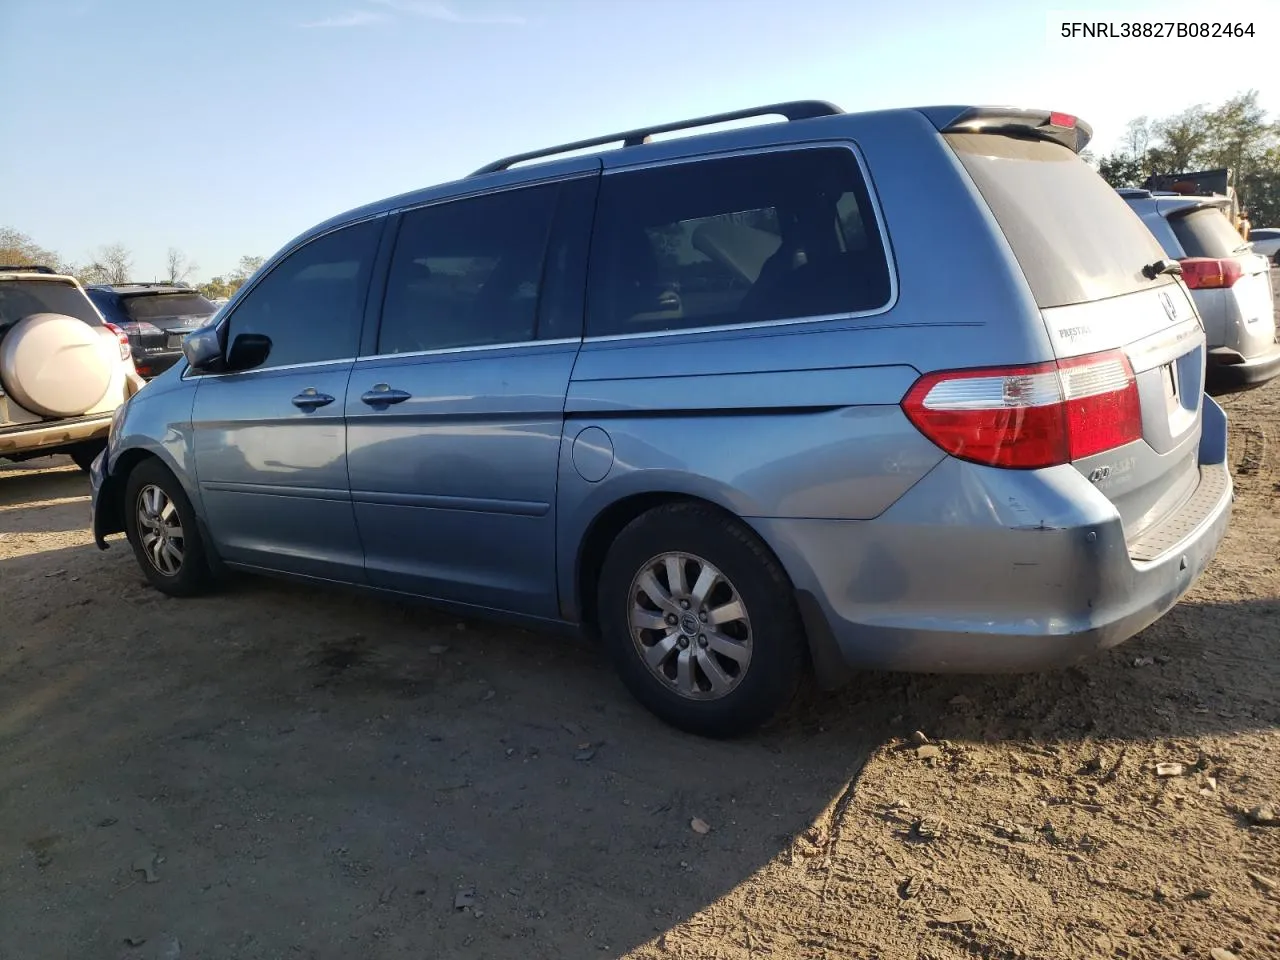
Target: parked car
[845, 452]
[1230, 283]
[1266, 242]
[63, 370]
[155, 317]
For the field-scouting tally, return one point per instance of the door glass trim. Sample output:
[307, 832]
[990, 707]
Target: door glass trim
[478, 348]
[287, 367]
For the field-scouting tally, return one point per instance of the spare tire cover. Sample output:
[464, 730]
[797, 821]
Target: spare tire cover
[55, 365]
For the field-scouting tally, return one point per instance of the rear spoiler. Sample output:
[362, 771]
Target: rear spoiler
[1221, 204]
[1061, 128]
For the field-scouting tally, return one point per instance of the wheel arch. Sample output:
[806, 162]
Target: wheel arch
[608, 522]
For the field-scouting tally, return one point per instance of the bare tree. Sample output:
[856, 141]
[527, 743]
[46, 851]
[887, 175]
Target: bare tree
[113, 264]
[1137, 137]
[180, 268]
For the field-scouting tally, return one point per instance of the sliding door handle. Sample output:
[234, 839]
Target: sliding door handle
[308, 399]
[382, 396]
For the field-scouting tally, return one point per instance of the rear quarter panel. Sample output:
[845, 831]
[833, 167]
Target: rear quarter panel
[801, 419]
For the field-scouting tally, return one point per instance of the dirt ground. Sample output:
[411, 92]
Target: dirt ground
[277, 772]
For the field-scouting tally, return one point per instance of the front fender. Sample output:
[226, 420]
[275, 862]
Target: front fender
[155, 422]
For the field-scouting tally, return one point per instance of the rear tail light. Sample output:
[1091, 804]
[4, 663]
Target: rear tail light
[1031, 416]
[123, 338]
[1207, 273]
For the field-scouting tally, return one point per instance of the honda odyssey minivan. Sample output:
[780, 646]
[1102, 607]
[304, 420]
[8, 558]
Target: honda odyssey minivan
[911, 389]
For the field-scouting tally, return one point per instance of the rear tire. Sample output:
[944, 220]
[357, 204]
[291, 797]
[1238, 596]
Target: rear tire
[162, 529]
[83, 454]
[700, 621]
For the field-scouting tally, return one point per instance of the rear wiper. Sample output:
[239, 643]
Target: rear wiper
[1162, 267]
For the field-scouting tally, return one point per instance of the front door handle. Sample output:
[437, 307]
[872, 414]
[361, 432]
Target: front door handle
[309, 399]
[382, 395]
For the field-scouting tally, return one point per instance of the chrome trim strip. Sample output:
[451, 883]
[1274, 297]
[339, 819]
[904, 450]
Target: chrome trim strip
[731, 327]
[519, 508]
[479, 348]
[315, 364]
[275, 490]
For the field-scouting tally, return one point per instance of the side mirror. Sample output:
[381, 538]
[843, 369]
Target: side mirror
[248, 350]
[203, 349]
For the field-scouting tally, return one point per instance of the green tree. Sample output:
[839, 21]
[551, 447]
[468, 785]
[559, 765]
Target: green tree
[1182, 139]
[218, 288]
[1236, 134]
[19, 250]
[1121, 170]
[247, 267]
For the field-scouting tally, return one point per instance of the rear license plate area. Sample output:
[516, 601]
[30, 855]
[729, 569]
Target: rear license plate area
[1169, 377]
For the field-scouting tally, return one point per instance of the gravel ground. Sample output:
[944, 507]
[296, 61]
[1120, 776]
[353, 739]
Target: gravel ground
[278, 771]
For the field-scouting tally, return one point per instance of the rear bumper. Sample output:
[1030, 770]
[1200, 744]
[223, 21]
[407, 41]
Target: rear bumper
[1223, 377]
[51, 435]
[980, 570]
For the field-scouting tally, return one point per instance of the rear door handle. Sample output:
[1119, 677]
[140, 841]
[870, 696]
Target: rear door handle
[308, 399]
[382, 395]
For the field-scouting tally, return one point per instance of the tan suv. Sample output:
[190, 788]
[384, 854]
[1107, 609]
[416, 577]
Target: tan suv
[63, 369]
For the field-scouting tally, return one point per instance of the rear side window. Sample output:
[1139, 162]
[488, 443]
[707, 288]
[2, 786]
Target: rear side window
[22, 298]
[311, 303]
[1206, 233]
[1074, 237]
[771, 236]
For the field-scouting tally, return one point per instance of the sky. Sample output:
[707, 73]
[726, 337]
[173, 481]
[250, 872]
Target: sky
[227, 127]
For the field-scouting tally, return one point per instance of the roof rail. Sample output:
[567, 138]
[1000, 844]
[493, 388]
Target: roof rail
[147, 283]
[27, 268]
[792, 110]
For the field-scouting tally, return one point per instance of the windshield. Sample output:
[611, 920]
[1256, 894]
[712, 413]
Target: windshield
[1206, 233]
[21, 298]
[163, 306]
[1075, 238]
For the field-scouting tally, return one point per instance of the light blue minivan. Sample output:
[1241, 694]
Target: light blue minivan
[911, 389]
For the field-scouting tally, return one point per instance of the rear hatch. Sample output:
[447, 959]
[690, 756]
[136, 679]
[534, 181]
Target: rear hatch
[1236, 281]
[159, 320]
[1129, 344]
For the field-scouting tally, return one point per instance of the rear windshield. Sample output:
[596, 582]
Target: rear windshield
[21, 298]
[162, 305]
[1206, 233]
[1075, 238]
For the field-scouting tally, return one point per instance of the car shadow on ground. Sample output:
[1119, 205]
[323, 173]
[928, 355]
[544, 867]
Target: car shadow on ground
[35, 481]
[385, 777]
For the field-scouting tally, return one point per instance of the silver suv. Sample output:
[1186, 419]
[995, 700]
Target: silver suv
[63, 370]
[717, 400]
[1229, 282]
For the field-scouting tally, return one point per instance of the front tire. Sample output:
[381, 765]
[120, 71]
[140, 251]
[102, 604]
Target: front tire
[162, 529]
[700, 620]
